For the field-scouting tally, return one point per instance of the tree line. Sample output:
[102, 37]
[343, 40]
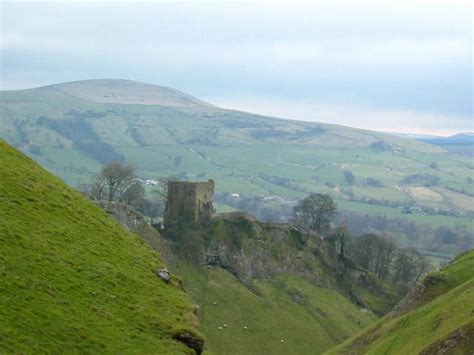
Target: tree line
[380, 255]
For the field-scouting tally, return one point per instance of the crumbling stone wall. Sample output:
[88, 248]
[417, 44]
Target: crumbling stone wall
[189, 202]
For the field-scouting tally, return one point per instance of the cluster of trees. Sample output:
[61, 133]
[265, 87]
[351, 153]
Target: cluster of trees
[349, 177]
[380, 146]
[377, 254]
[350, 180]
[373, 182]
[445, 239]
[421, 179]
[381, 256]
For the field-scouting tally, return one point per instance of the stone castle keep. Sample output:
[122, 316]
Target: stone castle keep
[189, 202]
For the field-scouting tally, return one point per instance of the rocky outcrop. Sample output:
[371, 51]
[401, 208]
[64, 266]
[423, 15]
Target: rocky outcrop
[249, 249]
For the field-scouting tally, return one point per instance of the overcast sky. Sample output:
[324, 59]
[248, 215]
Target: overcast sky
[401, 66]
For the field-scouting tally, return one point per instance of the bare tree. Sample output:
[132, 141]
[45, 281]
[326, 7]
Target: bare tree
[134, 195]
[118, 179]
[408, 268]
[385, 254]
[96, 189]
[374, 253]
[115, 182]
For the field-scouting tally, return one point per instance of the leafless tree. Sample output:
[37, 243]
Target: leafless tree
[374, 253]
[118, 178]
[115, 182]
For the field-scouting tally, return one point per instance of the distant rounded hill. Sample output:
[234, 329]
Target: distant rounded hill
[129, 92]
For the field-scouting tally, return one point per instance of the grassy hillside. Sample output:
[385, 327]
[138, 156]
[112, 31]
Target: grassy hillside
[437, 317]
[72, 279]
[74, 128]
[309, 319]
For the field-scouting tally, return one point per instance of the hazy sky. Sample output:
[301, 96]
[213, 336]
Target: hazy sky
[401, 66]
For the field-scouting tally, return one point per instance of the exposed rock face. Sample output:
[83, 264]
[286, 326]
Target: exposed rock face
[249, 249]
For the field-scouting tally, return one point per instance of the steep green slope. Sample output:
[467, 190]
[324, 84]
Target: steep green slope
[287, 315]
[72, 280]
[73, 128]
[438, 316]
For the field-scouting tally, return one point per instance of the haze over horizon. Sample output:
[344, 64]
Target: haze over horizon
[395, 67]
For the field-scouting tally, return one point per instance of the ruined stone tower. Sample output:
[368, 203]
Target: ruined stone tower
[189, 202]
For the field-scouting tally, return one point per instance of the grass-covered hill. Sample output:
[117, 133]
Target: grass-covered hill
[72, 280]
[74, 128]
[437, 318]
